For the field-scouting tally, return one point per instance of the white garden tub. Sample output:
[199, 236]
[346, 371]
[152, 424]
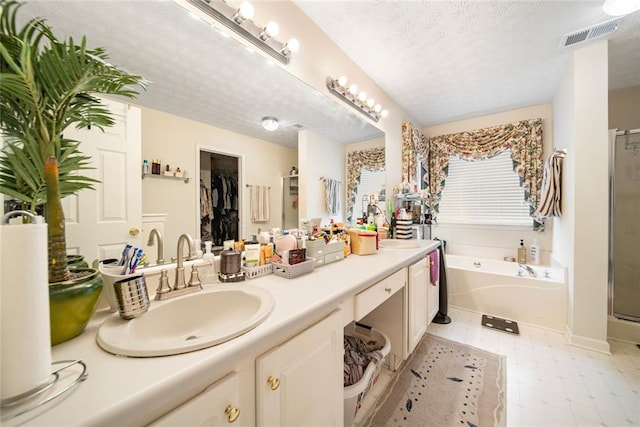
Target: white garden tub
[495, 287]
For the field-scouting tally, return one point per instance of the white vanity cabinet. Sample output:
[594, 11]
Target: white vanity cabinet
[418, 294]
[218, 405]
[300, 381]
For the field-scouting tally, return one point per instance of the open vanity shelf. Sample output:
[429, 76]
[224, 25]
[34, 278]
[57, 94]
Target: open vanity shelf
[179, 178]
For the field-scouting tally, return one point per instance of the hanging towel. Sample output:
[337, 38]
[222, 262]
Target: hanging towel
[551, 194]
[435, 267]
[331, 191]
[259, 203]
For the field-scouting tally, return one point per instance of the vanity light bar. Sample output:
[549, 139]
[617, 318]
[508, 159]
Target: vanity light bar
[357, 100]
[239, 21]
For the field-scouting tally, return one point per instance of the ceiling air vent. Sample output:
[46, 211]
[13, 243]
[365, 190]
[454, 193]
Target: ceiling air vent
[295, 126]
[590, 33]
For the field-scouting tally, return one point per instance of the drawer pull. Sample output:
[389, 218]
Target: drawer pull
[387, 290]
[274, 383]
[232, 413]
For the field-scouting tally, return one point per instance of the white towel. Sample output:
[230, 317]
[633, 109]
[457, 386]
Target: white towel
[551, 195]
[259, 203]
[331, 191]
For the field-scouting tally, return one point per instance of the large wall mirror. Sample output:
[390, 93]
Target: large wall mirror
[208, 92]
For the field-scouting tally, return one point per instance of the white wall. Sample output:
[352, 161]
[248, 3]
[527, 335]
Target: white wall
[496, 242]
[310, 65]
[580, 236]
[175, 140]
[318, 157]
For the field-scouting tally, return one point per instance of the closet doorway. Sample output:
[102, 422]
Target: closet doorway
[219, 197]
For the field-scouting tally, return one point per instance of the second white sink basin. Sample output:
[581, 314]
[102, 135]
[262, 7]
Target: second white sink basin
[192, 322]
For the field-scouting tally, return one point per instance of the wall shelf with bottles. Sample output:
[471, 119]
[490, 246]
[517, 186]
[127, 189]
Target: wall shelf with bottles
[179, 178]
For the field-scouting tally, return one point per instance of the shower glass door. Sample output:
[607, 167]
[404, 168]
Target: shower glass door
[625, 226]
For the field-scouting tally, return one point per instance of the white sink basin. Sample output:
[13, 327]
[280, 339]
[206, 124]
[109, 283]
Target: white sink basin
[192, 322]
[401, 244]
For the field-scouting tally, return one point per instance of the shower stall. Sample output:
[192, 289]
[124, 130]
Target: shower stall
[624, 232]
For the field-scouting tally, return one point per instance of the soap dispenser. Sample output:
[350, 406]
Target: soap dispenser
[522, 253]
[207, 272]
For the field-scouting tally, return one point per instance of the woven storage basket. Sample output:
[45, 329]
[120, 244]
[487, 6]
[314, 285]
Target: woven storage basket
[291, 271]
[255, 272]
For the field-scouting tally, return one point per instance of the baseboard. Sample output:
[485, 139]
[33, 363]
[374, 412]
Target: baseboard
[587, 343]
[623, 330]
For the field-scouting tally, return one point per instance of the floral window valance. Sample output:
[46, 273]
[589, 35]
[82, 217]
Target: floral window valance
[413, 145]
[371, 159]
[523, 138]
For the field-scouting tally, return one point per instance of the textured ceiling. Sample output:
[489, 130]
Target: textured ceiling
[439, 60]
[447, 60]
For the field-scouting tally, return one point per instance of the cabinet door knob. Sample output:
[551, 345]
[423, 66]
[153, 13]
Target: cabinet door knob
[232, 413]
[274, 383]
[387, 290]
[134, 231]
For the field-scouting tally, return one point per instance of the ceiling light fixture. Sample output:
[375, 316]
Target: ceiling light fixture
[620, 7]
[358, 100]
[239, 20]
[270, 123]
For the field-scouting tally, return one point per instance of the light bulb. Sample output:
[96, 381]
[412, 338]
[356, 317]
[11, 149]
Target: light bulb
[362, 96]
[384, 113]
[342, 81]
[620, 7]
[293, 45]
[377, 108]
[270, 123]
[370, 102]
[271, 30]
[353, 89]
[244, 12]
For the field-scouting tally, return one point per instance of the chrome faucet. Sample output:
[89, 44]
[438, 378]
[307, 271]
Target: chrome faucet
[530, 270]
[165, 291]
[158, 234]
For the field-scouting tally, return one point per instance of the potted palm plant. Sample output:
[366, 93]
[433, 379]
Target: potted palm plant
[49, 85]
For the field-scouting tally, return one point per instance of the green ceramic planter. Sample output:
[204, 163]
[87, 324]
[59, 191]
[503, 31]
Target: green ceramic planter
[76, 261]
[72, 303]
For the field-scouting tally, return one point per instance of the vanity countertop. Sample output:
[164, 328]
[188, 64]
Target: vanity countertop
[124, 391]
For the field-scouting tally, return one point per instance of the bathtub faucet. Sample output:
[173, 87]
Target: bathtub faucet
[530, 270]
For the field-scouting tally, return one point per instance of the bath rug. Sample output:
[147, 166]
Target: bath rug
[445, 383]
[505, 325]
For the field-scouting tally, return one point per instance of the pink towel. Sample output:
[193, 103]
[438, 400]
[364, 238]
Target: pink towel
[435, 267]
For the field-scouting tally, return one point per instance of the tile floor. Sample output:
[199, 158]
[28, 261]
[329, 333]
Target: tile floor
[550, 383]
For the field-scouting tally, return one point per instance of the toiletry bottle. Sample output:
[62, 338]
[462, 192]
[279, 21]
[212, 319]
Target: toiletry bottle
[534, 252]
[522, 253]
[145, 166]
[208, 273]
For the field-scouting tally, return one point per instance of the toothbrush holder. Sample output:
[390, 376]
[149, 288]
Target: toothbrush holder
[132, 296]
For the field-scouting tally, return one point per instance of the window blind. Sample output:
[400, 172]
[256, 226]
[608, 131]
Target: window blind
[370, 183]
[483, 192]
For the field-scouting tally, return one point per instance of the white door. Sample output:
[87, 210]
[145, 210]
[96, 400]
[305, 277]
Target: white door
[300, 383]
[99, 223]
[418, 282]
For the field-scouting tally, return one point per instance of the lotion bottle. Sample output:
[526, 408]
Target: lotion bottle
[522, 253]
[534, 251]
[208, 272]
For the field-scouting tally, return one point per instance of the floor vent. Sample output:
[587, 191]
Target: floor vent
[591, 33]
